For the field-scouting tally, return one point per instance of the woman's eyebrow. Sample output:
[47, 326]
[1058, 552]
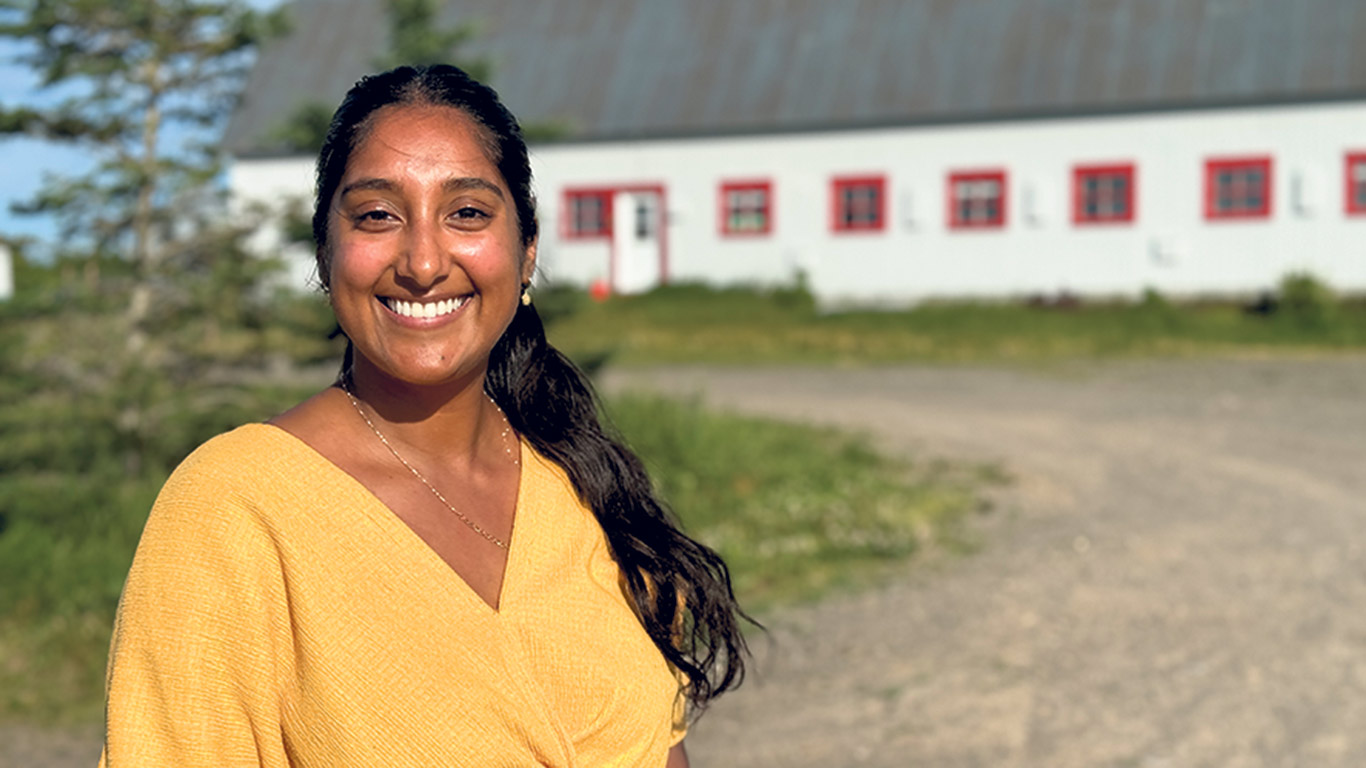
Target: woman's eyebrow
[457, 184]
[362, 184]
[471, 182]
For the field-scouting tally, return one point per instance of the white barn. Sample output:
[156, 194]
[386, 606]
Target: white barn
[898, 150]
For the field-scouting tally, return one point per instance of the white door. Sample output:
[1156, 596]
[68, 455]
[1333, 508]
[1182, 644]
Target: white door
[637, 231]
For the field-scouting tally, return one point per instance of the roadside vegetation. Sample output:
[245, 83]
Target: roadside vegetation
[797, 511]
[86, 441]
[696, 324]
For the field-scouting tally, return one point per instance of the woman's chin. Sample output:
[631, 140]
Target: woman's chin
[442, 374]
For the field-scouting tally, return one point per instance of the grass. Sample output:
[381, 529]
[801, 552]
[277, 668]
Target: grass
[796, 511]
[744, 326]
[70, 516]
[65, 548]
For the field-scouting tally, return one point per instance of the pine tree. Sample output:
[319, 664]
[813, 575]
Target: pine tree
[141, 85]
[137, 83]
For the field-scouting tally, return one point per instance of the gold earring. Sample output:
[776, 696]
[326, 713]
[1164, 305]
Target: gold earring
[526, 298]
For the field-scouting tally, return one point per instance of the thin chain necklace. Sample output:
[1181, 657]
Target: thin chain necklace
[507, 430]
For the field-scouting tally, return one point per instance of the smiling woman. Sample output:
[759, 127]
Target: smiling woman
[423, 256]
[443, 559]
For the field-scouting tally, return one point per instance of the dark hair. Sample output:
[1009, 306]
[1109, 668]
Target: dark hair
[438, 85]
[680, 588]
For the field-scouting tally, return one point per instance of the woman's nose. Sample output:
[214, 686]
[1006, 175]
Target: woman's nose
[424, 259]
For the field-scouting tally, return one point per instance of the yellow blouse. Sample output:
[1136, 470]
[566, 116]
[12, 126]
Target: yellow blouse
[278, 614]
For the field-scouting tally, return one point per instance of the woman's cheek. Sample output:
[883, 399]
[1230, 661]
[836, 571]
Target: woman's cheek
[359, 264]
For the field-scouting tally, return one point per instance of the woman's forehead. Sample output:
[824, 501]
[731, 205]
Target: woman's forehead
[422, 139]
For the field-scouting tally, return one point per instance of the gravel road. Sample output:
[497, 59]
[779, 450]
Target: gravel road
[1171, 580]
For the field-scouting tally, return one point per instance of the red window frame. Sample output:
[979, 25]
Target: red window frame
[1354, 203]
[728, 224]
[996, 220]
[1081, 174]
[571, 225]
[842, 218]
[1213, 168]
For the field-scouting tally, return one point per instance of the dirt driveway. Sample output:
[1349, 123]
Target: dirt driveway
[1176, 579]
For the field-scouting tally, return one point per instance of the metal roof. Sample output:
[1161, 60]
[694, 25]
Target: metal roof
[653, 68]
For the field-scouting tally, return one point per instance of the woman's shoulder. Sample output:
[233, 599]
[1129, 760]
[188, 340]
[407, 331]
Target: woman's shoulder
[251, 461]
[250, 448]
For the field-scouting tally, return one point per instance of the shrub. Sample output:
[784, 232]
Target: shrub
[1307, 303]
[1154, 301]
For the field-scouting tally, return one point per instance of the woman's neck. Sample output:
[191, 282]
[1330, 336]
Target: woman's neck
[451, 423]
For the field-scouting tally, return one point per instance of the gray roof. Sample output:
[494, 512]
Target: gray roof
[650, 68]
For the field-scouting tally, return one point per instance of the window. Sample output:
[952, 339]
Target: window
[1102, 194]
[977, 200]
[1238, 188]
[588, 213]
[859, 204]
[647, 216]
[1356, 183]
[746, 208]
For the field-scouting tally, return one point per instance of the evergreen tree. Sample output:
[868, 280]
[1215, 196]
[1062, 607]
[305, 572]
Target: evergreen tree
[141, 85]
[136, 83]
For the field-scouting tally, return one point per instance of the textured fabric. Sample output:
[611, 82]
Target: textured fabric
[278, 614]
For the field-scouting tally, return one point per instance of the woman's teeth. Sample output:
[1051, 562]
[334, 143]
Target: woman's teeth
[425, 309]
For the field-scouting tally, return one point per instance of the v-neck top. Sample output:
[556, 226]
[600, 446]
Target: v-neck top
[278, 614]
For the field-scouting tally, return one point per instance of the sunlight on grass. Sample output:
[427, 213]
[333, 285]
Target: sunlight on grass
[65, 548]
[696, 324]
[795, 510]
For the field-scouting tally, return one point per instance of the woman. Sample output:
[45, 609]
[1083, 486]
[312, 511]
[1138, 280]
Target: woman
[442, 559]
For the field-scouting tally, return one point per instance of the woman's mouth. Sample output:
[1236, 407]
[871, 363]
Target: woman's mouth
[423, 309]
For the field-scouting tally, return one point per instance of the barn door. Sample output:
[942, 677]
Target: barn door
[638, 230]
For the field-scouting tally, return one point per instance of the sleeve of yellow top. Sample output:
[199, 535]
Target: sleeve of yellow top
[192, 677]
[680, 714]
[679, 726]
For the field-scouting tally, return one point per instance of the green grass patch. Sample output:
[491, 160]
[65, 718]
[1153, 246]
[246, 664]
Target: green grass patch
[741, 326]
[796, 511]
[65, 548]
[71, 512]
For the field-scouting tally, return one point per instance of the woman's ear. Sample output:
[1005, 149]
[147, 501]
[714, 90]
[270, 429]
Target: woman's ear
[324, 269]
[529, 263]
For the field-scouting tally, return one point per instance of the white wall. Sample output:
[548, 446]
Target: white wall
[6, 273]
[1169, 246]
[265, 187]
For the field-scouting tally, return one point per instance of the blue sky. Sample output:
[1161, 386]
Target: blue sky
[24, 162]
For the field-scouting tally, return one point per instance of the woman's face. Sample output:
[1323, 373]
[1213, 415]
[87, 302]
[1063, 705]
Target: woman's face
[426, 263]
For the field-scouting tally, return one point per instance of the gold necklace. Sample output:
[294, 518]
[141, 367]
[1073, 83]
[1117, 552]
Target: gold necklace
[507, 429]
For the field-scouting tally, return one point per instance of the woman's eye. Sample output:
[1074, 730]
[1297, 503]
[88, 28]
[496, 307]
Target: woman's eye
[374, 217]
[469, 212]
